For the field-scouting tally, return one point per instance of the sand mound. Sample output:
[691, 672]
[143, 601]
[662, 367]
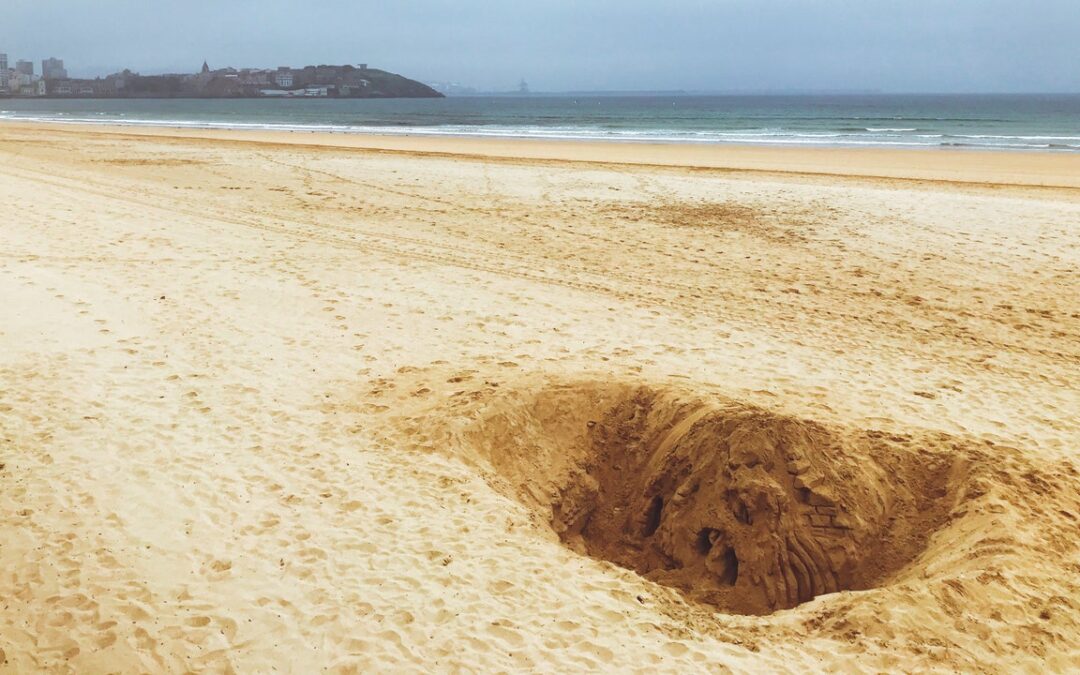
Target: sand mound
[733, 505]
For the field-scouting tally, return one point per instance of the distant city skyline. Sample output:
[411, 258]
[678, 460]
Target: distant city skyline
[732, 45]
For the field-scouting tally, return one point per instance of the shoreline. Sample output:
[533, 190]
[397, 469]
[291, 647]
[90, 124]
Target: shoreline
[436, 132]
[950, 165]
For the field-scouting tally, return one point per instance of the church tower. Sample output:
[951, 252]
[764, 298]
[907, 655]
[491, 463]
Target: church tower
[205, 68]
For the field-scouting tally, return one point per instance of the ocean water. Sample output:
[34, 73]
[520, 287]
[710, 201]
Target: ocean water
[1016, 122]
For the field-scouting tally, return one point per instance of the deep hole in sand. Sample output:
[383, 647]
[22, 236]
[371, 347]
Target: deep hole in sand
[734, 506]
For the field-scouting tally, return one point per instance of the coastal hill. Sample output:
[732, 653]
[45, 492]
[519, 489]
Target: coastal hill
[321, 81]
[386, 84]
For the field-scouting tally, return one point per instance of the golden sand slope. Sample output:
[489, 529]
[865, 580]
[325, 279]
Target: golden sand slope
[272, 403]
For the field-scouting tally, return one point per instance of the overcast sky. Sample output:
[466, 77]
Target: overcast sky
[887, 45]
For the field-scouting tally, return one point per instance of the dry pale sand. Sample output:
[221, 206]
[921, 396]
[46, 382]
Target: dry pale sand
[290, 403]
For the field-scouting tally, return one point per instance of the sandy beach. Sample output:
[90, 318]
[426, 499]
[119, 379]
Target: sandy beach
[293, 402]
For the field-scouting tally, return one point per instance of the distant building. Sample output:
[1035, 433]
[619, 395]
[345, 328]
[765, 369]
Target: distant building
[283, 77]
[205, 68]
[33, 89]
[3, 72]
[53, 69]
[24, 68]
[116, 84]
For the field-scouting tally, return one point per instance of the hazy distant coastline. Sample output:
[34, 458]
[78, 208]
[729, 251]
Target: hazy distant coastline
[322, 81]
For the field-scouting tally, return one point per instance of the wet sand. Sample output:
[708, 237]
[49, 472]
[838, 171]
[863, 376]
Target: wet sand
[353, 402]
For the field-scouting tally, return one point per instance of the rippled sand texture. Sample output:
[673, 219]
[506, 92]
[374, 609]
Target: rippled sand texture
[271, 405]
